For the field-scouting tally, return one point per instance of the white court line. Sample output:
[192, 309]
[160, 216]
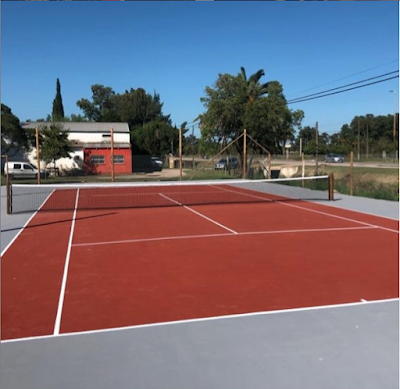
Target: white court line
[65, 275]
[221, 235]
[313, 210]
[19, 232]
[204, 319]
[199, 214]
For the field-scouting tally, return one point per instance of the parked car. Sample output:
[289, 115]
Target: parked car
[333, 158]
[224, 163]
[156, 163]
[21, 169]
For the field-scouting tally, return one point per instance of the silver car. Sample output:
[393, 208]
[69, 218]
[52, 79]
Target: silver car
[334, 158]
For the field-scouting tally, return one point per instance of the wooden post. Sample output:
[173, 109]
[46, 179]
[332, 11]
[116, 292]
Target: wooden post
[38, 155]
[316, 149]
[351, 173]
[112, 156]
[180, 154]
[331, 186]
[244, 153]
[303, 168]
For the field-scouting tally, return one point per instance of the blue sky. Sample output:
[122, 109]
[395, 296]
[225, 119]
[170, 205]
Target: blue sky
[179, 48]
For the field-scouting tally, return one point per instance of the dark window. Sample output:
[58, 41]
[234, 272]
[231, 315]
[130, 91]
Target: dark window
[17, 166]
[28, 167]
[119, 159]
[97, 159]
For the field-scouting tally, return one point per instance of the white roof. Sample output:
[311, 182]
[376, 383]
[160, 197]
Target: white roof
[82, 126]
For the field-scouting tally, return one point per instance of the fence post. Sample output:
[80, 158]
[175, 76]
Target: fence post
[38, 155]
[244, 154]
[351, 173]
[112, 155]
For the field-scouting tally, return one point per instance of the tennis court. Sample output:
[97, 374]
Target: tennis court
[102, 258]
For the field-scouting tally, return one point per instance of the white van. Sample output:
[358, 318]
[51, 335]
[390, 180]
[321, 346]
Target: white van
[18, 169]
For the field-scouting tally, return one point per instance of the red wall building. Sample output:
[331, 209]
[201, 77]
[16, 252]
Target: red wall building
[98, 161]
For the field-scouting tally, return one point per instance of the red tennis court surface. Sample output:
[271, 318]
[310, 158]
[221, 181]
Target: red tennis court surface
[102, 269]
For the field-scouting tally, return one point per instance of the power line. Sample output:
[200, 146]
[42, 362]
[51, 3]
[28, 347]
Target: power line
[351, 75]
[345, 90]
[343, 86]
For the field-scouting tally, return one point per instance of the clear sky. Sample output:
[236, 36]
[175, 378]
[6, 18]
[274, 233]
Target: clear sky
[179, 48]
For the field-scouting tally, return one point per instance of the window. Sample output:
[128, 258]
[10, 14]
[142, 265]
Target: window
[17, 166]
[27, 167]
[97, 159]
[119, 159]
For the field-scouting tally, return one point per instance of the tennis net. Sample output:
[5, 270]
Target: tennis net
[30, 198]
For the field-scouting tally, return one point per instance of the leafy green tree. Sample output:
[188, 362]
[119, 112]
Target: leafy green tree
[151, 130]
[102, 108]
[54, 143]
[13, 137]
[236, 103]
[58, 108]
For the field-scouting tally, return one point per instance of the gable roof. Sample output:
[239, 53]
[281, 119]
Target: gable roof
[82, 126]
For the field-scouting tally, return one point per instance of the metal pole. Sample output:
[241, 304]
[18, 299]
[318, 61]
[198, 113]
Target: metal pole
[301, 146]
[112, 155]
[269, 166]
[38, 155]
[8, 188]
[244, 153]
[367, 143]
[180, 154]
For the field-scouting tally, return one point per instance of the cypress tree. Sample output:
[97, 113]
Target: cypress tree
[58, 109]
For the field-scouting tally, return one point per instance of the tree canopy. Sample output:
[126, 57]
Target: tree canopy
[236, 103]
[54, 143]
[151, 130]
[13, 137]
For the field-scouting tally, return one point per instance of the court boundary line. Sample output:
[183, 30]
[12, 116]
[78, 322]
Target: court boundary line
[65, 273]
[24, 226]
[203, 319]
[313, 210]
[198, 213]
[183, 237]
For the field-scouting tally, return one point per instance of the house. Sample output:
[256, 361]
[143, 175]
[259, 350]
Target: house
[91, 147]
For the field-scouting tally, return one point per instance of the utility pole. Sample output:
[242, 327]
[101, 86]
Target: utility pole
[316, 148]
[301, 146]
[358, 143]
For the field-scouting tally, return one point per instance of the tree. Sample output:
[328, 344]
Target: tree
[235, 103]
[13, 137]
[58, 109]
[102, 108]
[151, 130]
[54, 143]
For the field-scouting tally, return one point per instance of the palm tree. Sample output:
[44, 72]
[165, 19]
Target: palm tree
[254, 88]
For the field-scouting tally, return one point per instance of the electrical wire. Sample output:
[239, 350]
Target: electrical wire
[345, 90]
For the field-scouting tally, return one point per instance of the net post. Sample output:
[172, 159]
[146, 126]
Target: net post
[112, 155]
[38, 155]
[303, 168]
[331, 186]
[8, 187]
[244, 154]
